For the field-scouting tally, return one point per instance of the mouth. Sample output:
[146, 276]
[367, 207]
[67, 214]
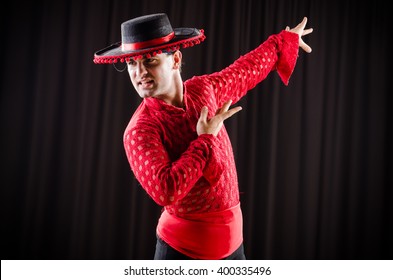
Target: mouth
[148, 83]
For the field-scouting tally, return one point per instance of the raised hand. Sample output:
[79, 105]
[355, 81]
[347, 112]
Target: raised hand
[299, 29]
[213, 126]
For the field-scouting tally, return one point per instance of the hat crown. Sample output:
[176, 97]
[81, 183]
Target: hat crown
[145, 28]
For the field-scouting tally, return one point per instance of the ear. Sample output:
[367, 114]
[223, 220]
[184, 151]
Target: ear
[177, 57]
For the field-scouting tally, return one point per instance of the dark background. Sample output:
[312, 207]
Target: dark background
[314, 158]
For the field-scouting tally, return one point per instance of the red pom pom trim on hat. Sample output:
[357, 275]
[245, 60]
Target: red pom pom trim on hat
[152, 51]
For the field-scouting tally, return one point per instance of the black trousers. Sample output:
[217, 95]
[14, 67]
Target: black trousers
[166, 252]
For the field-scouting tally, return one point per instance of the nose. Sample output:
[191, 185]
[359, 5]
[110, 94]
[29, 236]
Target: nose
[140, 69]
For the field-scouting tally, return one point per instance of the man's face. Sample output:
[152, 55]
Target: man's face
[153, 77]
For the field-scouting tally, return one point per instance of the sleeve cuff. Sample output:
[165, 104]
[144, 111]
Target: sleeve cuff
[208, 139]
[288, 55]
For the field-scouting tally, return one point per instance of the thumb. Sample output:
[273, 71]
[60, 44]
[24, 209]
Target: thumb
[203, 116]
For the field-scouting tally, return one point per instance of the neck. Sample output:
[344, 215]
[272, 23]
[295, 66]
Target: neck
[176, 97]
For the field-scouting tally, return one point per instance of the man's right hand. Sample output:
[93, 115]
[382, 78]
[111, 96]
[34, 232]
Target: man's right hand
[213, 126]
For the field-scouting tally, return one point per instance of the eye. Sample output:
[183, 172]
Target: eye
[151, 61]
[131, 62]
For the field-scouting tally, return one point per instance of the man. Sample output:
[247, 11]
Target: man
[176, 144]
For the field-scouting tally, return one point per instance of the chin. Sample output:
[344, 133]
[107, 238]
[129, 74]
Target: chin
[146, 94]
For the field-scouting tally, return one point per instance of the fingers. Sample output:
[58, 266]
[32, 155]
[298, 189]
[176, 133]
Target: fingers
[213, 125]
[230, 113]
[224, 107]
[204, 112]
[302, 24]
[307, 31]
[305, 47]
[224, 113]
[299, 29]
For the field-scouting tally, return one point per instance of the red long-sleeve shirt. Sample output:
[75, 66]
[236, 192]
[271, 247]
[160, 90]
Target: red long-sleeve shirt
[180, 170]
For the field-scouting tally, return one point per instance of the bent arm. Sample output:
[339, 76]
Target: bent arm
[166, 181]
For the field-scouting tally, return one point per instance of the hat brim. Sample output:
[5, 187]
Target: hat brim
[184, 37]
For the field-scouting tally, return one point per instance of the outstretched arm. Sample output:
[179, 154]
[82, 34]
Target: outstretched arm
[279, 52]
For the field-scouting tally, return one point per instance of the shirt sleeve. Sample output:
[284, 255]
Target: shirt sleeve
[279, 52]
[166, 181]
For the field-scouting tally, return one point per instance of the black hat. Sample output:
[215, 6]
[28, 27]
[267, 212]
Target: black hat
[148, 36]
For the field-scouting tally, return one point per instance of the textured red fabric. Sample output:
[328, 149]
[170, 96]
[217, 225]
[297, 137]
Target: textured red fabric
[182, 171]
[221, 233]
